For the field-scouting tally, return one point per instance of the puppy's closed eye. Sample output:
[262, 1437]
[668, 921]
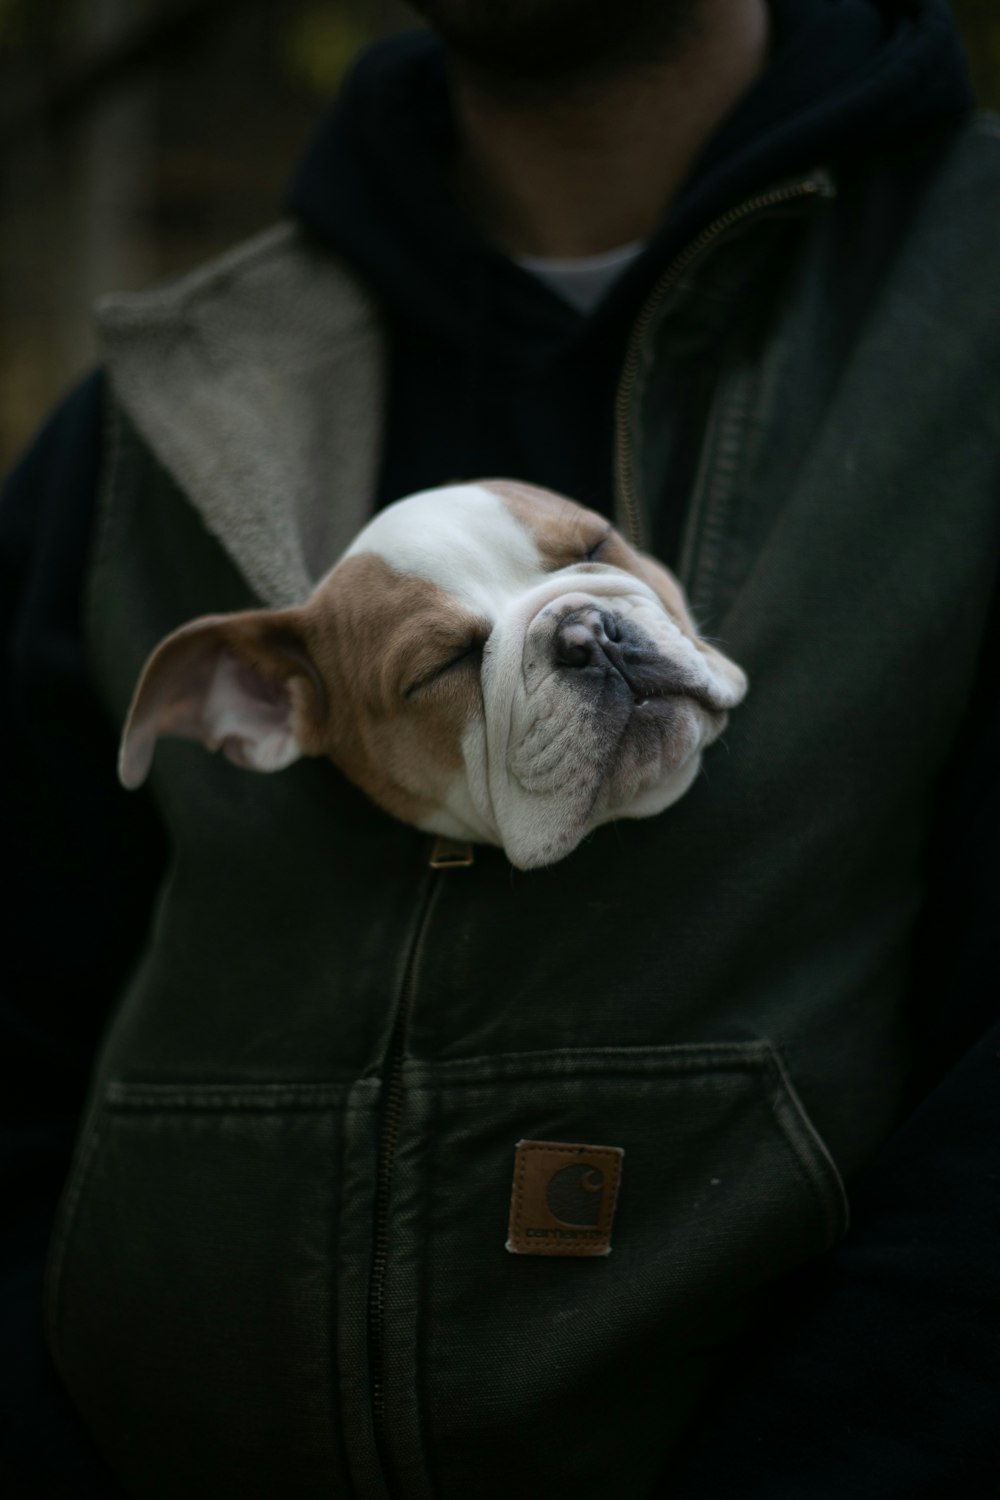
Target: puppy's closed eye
[593, 552]
[469, 655]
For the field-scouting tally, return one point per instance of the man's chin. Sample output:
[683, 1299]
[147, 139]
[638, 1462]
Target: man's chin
[552, 42]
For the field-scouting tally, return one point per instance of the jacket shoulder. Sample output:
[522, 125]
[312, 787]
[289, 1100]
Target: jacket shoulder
[969, 160]
[262, 280]
[976, 150]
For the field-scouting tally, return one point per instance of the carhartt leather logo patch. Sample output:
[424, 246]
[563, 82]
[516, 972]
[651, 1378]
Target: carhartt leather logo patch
[564, 1198]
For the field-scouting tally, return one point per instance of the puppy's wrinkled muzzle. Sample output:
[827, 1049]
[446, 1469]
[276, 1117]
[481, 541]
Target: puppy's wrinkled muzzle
[587, 637]
[591, 643]
[460, 671]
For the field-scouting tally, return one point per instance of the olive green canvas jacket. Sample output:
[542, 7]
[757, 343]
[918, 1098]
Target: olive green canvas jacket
[281, 1266]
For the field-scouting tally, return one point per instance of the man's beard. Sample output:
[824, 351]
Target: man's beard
[526, 46]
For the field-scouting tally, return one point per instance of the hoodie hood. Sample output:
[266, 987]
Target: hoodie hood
[845, 76]
[492, 372]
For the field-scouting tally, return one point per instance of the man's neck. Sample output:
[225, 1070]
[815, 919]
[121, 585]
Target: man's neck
[578, 175]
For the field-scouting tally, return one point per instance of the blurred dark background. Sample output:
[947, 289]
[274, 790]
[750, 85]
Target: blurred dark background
[138, 137]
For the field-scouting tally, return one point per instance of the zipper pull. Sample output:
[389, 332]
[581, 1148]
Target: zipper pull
[450, 854]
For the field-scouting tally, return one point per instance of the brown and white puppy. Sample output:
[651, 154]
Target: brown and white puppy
[487, 661]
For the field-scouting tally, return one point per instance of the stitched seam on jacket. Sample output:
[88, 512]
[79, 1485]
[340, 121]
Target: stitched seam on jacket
[59, 1248]
[815, 1164]
[248, 1098]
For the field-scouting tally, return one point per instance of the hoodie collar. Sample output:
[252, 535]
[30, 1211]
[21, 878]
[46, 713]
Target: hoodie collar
[845, 77]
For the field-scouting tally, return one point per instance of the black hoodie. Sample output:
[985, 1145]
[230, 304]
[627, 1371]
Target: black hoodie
[492, 373]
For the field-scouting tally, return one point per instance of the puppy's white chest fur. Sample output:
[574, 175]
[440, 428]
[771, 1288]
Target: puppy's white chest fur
[488, 661]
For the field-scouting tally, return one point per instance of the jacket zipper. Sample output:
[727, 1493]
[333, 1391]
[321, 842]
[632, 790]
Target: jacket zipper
[627, 509]
[385, 1164]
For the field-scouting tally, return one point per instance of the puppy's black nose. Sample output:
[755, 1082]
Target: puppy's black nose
[586, 638]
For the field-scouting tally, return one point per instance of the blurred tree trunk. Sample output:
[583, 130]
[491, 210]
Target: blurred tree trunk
[114, 185]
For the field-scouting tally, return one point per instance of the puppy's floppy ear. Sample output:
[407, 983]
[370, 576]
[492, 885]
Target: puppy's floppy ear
[243, 683]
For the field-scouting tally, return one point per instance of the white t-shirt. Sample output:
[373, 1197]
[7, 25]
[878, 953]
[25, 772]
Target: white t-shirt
[583, 281]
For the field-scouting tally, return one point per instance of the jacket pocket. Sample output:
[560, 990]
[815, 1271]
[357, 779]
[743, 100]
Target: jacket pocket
[190, 1291]
[516, 1373]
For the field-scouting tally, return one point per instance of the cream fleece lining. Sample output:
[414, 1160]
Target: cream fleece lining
[257, 383]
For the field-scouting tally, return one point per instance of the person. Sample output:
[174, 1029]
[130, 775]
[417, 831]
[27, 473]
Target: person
[724, 270]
